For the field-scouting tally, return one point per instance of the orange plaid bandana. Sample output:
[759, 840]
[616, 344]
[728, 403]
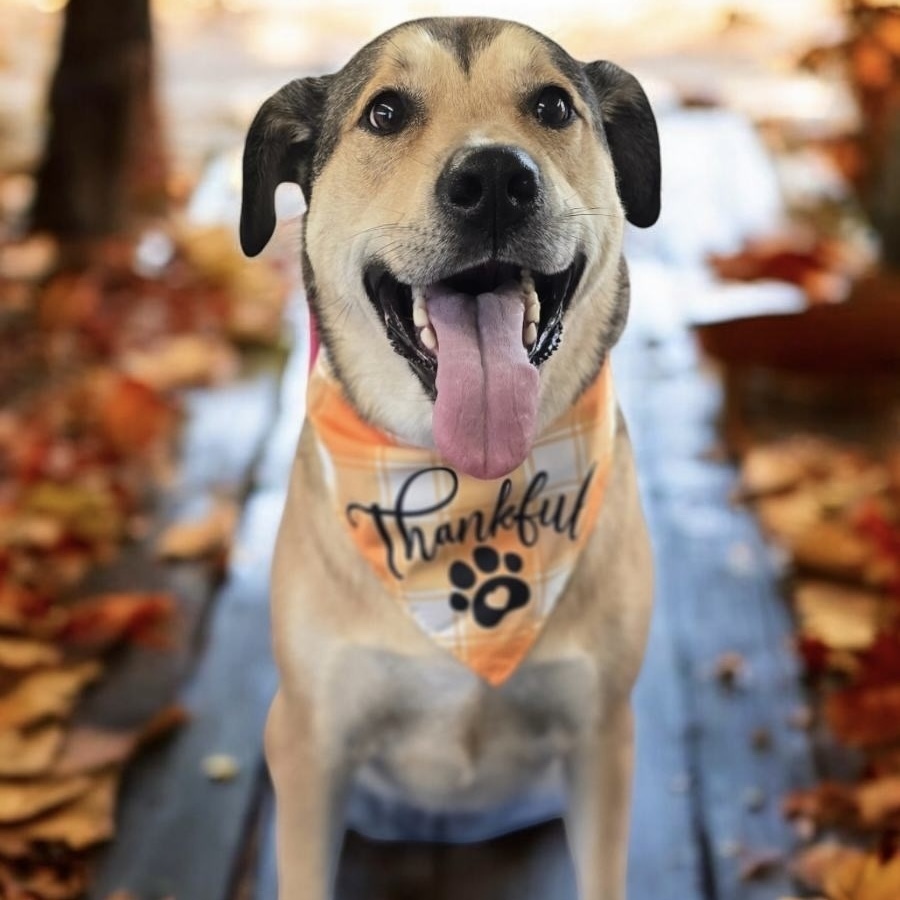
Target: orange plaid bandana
[479, 565]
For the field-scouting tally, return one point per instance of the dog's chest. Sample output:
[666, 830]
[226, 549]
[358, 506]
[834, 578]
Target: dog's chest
[440, 735]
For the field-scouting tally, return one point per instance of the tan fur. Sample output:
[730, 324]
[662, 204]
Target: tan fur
[357, 209]
[361, 687]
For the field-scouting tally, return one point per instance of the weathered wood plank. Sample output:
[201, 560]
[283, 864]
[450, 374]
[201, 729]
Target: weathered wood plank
[167, 805]
[665, 855]
[182, 834]
[721, 590]
[143, 679]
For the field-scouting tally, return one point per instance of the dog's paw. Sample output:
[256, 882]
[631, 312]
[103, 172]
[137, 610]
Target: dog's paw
[496, 596]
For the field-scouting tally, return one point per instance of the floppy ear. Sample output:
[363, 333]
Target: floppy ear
[632, 137]
[279, 147]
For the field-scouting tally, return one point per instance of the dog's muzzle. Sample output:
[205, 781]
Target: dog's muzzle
[475, 336]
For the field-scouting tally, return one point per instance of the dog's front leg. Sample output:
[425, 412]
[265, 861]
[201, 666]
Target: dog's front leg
[309, 791]
[599, 774]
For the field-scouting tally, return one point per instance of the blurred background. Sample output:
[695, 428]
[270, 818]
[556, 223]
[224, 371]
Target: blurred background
[152, 388]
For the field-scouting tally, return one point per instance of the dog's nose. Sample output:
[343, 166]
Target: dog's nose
[490, 188]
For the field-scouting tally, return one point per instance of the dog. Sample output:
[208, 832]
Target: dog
[467, 186]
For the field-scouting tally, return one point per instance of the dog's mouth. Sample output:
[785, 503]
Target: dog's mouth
[405, 310]
[476, 339]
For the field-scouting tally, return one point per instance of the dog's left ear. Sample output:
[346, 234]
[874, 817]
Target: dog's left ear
[633, 140]
[280, 146]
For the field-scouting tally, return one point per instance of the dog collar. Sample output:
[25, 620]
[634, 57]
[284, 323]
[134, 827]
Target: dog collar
[479, 565]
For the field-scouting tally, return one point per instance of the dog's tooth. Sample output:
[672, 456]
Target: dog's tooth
[529, 336]
[527, 281]
[533, 312]
[420, 316]
[428, 337]
[418, 296]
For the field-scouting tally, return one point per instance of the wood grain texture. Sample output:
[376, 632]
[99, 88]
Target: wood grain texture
[721, 592]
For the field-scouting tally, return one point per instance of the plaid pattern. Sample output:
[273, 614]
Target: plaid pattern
[479, 565]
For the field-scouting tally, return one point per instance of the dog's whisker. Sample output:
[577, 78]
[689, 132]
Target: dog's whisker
[577, 215]
[392, 226]
[591, 209]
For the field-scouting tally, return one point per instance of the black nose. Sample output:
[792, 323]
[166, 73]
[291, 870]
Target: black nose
[490, 189]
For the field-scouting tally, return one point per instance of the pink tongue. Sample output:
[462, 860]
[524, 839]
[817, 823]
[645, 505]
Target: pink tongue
[487, 391]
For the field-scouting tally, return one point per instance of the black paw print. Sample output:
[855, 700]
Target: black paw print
[487, 561]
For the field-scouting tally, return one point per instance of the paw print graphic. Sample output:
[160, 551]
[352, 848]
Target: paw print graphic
[497, 595]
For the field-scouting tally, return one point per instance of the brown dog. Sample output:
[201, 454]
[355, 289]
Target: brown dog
[467, 185]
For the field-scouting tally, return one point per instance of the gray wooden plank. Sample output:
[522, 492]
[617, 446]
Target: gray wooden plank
[180, 833]
[665, 860]
[219, 447]
[142, 680]
[666, 853]
[721, 589]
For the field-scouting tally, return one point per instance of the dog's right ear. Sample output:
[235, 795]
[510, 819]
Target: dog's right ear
[280, 146]
[633, 139]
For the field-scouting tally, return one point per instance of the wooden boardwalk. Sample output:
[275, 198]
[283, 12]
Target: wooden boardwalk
[712, 759]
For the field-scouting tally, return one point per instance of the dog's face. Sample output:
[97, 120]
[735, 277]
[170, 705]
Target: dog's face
[467, 184]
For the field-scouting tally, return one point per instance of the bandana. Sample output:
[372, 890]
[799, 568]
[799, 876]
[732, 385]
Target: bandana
[479, 565]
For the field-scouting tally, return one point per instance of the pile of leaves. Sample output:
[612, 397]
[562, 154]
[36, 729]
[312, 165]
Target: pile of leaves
[869, 56]
[88, 425]
[824, 267]
[835, 511]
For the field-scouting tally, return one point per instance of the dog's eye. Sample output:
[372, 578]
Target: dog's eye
[553, 107]
[386, 114]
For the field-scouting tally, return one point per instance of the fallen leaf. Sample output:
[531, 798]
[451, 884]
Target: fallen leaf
[776, 467]
[85, 512]
[37, 881]
[730, 669]
[827, 804]
[130, 415]
[878, 802]
[212, 534]
[88, 749]
[865, 717]
[182, 360]
[221, 767]
[20, 654]
[811, 865]
[863, 878]
[87, 821]
[759, 864]
[801, 718]
[880, 664]
[831, 548]
[100, 622]
[786, 516]
[22, 609]
[842, 618]
[25, 800]
[46, 694]
[761, 740]
[25, 754]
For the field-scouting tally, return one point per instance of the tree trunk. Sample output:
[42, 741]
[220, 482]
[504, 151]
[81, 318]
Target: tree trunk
[874, 68]
[886, 197]
[103, 165]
